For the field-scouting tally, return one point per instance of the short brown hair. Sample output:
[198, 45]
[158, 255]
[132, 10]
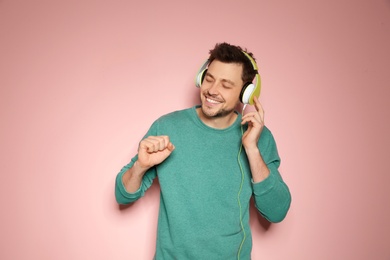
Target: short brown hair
[228, 53]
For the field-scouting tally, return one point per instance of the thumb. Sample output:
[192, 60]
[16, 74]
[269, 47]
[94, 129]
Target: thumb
[171, 147]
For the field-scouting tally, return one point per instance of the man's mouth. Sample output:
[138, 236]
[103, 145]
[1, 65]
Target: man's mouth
[213, 101]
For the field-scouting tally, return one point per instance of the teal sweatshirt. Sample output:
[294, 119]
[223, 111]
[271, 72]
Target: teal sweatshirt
[206, 188]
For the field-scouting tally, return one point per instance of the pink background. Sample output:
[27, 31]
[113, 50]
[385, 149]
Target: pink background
[81, 82]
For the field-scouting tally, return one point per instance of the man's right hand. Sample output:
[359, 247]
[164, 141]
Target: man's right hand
[153, 150]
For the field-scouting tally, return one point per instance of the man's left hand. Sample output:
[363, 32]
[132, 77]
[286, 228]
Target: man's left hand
[255, 120]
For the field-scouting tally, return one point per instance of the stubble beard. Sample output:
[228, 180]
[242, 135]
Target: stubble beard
[218, 114]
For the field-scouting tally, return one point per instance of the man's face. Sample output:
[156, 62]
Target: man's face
[220, 89]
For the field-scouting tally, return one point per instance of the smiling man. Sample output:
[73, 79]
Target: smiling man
[210, 166]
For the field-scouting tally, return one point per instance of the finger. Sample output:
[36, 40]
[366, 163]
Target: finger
[171, 147]
[256, 103]
[251, 114]
[261, 112]
[160, 143]
[153, 144]
[167, 143]
[259, 108]
[166, 140]
[252, 118]
[148, 145]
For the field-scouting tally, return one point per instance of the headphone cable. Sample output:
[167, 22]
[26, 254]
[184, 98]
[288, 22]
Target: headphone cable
[239, 191]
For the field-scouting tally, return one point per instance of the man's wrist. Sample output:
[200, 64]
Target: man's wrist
[139, 169]
[251, 150]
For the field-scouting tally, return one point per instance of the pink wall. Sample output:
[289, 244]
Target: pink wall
[81, 81]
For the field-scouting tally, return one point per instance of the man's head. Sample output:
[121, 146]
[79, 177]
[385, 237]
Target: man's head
[228, 70]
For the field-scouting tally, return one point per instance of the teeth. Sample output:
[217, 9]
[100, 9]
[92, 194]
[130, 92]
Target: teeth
[212, 101]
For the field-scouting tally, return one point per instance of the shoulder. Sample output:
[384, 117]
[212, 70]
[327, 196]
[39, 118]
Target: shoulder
[173, 119]
[266, 132]
[266, 137]
[175, 115]
[267, 146]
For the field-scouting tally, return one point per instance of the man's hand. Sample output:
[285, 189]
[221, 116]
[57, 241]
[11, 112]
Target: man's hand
[255, 122]
[154, 150]
[151, 151]
[250, 139]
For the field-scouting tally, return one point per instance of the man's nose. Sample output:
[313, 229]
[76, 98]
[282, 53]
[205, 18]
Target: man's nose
[213, 90]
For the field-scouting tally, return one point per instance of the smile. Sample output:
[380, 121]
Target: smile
[212, 101]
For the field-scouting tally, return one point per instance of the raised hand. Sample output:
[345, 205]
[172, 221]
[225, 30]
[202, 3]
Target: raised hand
[255, 122]
[153, 150]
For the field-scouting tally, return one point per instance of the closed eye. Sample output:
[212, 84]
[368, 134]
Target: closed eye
[227, 86]
[209, 78]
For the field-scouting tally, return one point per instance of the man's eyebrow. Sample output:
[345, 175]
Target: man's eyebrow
[223, 80]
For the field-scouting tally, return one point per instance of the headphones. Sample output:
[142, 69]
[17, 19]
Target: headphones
[249, 90]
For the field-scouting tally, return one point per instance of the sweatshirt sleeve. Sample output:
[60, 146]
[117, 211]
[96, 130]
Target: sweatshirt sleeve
[121, 194]
[272, 196]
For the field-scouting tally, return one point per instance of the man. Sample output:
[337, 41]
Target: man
[210, 161]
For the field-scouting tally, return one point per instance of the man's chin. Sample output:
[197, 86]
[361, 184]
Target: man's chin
[214, 112]
[209, 112]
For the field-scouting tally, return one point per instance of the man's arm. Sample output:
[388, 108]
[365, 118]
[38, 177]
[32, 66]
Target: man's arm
[132, 178]
[152, 151]
[272, 196]
[122, 193]
[272, 199]
[250, 140]
[257, 165]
